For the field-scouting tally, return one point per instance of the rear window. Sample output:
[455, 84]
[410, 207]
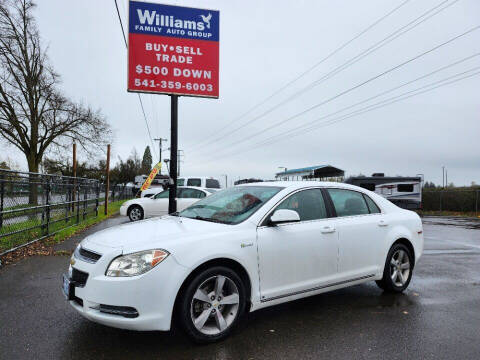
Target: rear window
[405, 187]
[194, 182]
[371, 205]
[212, 183]
[180, 182]
[348, 203]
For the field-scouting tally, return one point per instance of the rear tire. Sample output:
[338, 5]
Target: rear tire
[398, 269]
[135, 213]
[211, 305]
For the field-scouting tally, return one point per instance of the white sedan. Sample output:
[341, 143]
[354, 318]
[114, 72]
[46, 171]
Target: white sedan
[242, 249]
[157, 205]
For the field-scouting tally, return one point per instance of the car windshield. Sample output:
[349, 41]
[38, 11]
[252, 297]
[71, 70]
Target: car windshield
[231, 206]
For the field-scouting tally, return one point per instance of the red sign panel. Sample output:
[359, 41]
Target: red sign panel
[173, 50]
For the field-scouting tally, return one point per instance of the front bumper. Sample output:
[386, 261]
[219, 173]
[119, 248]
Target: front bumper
[152, 294]
[123, 210]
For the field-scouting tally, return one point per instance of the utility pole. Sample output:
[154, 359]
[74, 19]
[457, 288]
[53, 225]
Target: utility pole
[160, 140]
[172, 195]
[107, 185]
[443, 177]
[446, 177]
[179, 159]
[226, 180]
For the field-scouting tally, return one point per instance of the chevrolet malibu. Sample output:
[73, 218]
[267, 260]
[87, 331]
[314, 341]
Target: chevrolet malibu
[238, 250]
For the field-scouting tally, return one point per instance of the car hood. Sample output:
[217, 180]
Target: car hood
[165, 233]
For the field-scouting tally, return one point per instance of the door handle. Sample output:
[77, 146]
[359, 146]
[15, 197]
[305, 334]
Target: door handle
[382, 223]
[328, 229]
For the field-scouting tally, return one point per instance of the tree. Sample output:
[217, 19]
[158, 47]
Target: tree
[147, 161]
[125, 171]
[61, 166]
[34, 115]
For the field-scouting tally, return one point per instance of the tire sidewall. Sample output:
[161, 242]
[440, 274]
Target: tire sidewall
[135, 207]
[187, 296]
[387, 280]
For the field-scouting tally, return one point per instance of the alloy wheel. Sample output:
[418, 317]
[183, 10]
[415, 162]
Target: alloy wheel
[135, 214]
[215, 305]
[399, 267]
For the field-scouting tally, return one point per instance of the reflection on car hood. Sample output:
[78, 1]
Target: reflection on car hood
[161, 233]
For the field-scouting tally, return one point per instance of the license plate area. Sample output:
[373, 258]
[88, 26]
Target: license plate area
[68, 288]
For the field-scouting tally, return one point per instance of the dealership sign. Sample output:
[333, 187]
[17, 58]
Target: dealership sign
[173, 50]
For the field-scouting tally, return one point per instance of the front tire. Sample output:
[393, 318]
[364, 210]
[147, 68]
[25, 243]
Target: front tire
[135, 213]
[398, 269]
[212, 304]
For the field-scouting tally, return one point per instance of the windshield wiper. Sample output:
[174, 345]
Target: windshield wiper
[198, 217]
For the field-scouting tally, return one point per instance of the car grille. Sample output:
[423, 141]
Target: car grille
[79, 278]
[87, 255]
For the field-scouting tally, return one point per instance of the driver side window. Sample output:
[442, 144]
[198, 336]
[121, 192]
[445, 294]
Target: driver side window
[309, 204]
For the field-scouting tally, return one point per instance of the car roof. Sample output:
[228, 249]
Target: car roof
[302, 184]
[192, 187]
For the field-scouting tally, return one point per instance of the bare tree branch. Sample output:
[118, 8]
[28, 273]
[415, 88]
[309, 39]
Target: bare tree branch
[34, 115]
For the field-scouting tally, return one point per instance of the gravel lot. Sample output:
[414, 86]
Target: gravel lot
[438, 317]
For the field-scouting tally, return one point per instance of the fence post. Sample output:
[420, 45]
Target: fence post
[2, 195]
[47, 204]
[96, 200]
[78, 202]
[85, 197]
[67, 200]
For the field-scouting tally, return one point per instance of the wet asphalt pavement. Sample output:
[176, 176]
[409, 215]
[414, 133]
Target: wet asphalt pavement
[438, 317]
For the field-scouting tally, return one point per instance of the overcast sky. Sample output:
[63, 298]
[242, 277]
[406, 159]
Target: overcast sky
[263, 46]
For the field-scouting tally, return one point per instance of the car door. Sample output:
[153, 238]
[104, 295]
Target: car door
[300, 256]
[361, 231]
[159, 204]
[187, 197]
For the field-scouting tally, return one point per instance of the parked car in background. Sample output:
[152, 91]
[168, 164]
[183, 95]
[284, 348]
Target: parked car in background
[154, 190]
[199, 181]
[157, 205]
[242, 249]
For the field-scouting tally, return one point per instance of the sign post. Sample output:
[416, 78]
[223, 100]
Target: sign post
[173, 50]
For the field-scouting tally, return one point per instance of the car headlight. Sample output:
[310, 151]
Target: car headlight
[137, 263]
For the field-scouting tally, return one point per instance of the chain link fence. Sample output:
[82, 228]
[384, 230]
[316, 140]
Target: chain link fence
[34, 206]
[462, 201]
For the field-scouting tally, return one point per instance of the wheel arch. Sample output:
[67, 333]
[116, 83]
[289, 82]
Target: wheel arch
[226, 262]
[408, 244]
[132, 206]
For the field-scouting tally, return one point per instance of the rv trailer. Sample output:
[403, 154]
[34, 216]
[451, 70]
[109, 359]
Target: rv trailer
[403, 191]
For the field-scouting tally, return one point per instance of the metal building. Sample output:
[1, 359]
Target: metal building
[319, 172]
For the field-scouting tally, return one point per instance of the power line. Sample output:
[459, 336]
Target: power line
[376, 96]
[344, 66]
[356, 86]
[383, 103]
[139, 98]
[311, 68]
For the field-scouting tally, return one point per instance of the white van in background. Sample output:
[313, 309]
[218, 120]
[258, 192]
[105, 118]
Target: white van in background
[199, 181]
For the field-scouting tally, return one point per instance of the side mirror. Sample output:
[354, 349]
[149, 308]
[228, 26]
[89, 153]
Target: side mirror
[284, 216]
